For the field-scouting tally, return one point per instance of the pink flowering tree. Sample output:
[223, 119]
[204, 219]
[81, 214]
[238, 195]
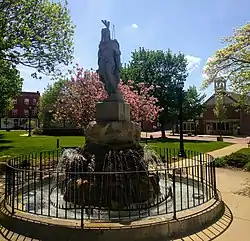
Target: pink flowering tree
[76, 102]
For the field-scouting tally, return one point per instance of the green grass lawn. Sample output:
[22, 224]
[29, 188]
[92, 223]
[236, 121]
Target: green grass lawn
[198, 146]
[12, 144]
[244, 151]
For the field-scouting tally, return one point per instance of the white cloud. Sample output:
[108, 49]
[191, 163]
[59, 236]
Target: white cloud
[193, 63]
[134, 25]
[25, 70]
[206, 73]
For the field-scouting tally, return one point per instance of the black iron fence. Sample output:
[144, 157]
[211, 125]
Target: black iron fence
[38, 184]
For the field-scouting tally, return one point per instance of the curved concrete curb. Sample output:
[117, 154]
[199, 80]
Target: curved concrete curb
[156, 228]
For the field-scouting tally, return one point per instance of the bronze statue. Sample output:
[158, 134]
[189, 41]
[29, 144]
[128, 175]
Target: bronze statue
[109, 60]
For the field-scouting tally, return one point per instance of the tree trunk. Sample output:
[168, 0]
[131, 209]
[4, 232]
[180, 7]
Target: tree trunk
[195, 128]
[177, 129]
[173, 129]
[220, 130]
[163, 134]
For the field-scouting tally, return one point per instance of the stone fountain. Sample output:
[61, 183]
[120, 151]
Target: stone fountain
[113, 188]
[112, 145]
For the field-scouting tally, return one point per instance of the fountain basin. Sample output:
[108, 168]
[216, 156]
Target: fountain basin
[187, 201]
[48, 201]
[151, 228]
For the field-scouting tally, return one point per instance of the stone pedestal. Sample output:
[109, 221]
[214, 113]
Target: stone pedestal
[113, 132]
[113, 151]
[112, 111]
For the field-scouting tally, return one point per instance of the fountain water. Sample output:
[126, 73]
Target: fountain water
[125, 181]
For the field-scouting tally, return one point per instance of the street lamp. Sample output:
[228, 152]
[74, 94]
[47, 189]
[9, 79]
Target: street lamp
[29, 121]
[180, 85]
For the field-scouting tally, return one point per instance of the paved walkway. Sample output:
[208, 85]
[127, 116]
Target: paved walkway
[231, 139]
[227, 150]
[234, 225]
[234, 186]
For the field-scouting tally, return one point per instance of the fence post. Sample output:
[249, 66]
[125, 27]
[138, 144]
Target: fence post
[40, 165]
[201, 166]
[214, 176]
[174, 195]
[82, 210]
[57, 143]
[6, 182]
[13, 192]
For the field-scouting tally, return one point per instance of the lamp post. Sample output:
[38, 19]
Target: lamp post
[180, 85]
[29, 121]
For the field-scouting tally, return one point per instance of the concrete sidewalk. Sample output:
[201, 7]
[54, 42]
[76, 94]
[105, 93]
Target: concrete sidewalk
[227, 150]
[231, 139]
[234, 186]
[234, 225]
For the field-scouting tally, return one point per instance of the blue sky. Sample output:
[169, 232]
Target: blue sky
[193, 27]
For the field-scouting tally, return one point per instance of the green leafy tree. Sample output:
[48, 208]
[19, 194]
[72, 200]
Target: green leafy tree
[193, 105]
[47, 101]
[32, 124]
[233, 64]
[36, 33]
[10, 86]
[220, 109]
[162, 70]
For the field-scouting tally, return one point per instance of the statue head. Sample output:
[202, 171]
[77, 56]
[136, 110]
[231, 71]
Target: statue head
[105, 35]
[105, 31]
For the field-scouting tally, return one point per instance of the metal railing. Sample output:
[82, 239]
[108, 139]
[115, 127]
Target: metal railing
[35, 184]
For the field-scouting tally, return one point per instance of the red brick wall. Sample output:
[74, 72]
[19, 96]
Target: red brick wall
[20, 106]
[245, 124]
[230, 114]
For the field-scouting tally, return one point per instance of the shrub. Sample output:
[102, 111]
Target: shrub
[220, 162]
[63, 132]
[238, 160]
[32, 124]
[37, 131]
[247, 167]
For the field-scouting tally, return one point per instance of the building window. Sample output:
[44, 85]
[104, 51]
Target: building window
[33, 112]
[14, 112]
[26, 101]
[26, 112]
[15, 101]
[34, 101]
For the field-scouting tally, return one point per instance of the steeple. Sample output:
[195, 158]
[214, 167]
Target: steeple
[220, 84]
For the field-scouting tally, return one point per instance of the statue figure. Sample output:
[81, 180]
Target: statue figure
[109, 60]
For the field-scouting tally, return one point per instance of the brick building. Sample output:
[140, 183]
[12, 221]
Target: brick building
[236, 123]
[18, 116]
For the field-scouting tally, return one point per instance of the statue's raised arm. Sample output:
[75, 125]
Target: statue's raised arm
[106, 23]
